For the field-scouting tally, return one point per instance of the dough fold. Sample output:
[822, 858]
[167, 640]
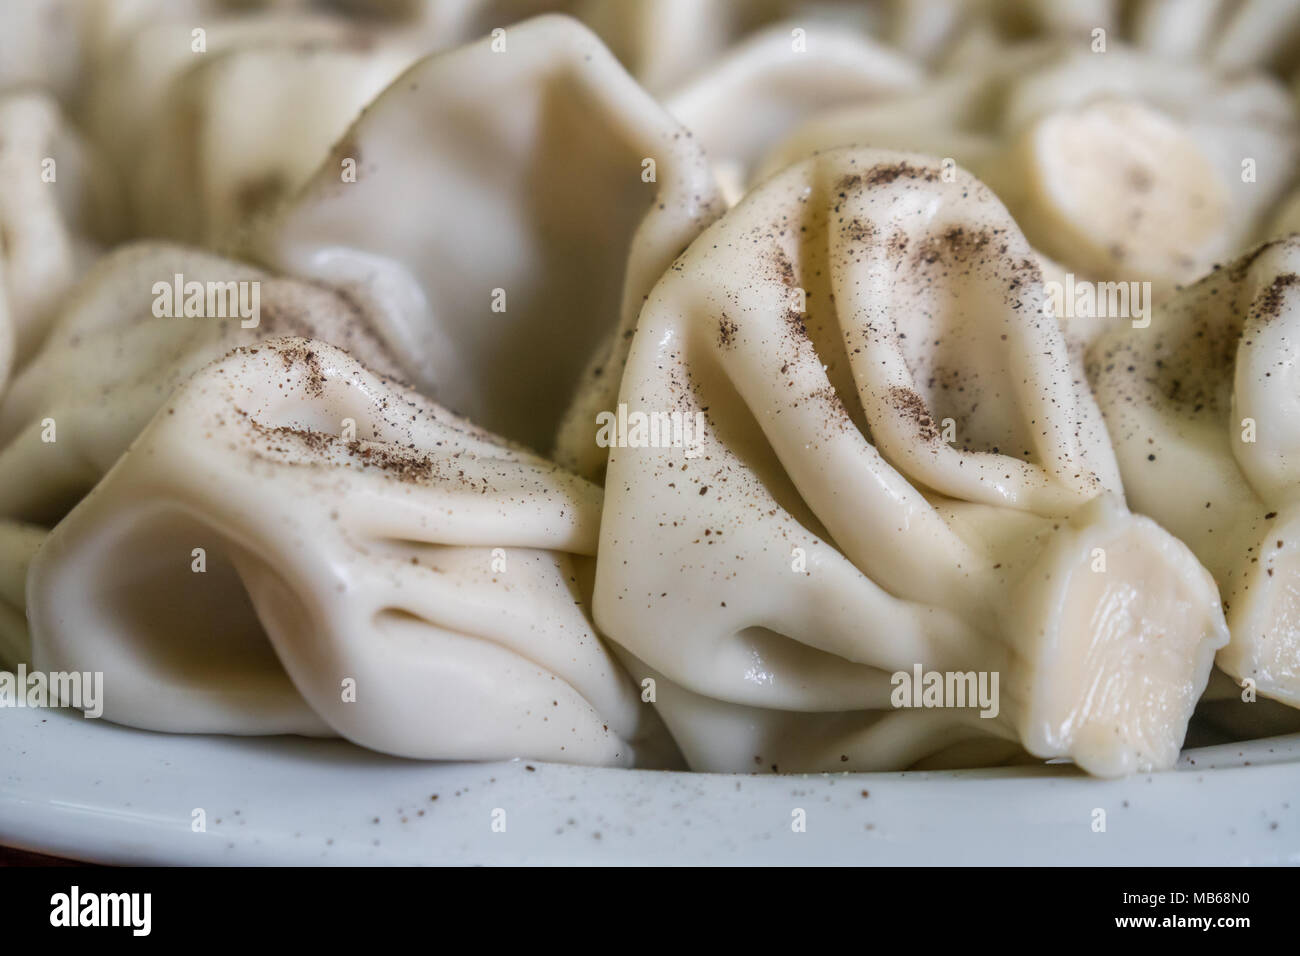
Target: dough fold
[296, 544]
[897, 468]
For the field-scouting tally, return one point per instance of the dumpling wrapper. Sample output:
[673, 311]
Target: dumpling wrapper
[110, 362]
[754, 94]
[1122, 166]
[824, 535]
[140, 55]
[1202, 407]
[665, 43]
[412, 589]
[724, 737]
[951, 115]
[207, 138]
[1160, 149]
[243, 129]
[519, 171]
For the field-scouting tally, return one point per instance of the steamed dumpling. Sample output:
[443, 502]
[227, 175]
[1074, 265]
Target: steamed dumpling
[665, 42]
[898, 468]
[723, 737]
[140, 54]
[1119, 165]
[111, 360]
[370, 566]
[1127, 166]
[740, 105]
[243, 129]
[510, 211]
[953, 115]
[216, 111]
[1202, 407]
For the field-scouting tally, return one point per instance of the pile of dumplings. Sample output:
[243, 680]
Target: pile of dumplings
[410, 498]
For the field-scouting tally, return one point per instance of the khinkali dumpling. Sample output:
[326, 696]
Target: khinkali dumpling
[124, 342]
[215, 111]
[754, 94]
[723, 737]
[896, 468]
[243, 129]
[514, 201]
[1128, 166]
[140, 55]
[1120, 165]
[954, 115]
[296, 544]
[1202, 407]
[665, 42]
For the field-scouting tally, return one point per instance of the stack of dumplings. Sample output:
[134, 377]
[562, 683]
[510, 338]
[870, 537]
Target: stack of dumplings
[745, 387]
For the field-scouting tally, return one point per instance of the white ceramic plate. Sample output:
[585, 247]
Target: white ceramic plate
[95, 791]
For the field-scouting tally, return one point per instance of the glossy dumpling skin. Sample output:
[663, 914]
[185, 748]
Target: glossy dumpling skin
[1121, 166]
[510, 210]
[1202, 406]
[372, 567]
[743, 102]
[110, 361]
[899, 468]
